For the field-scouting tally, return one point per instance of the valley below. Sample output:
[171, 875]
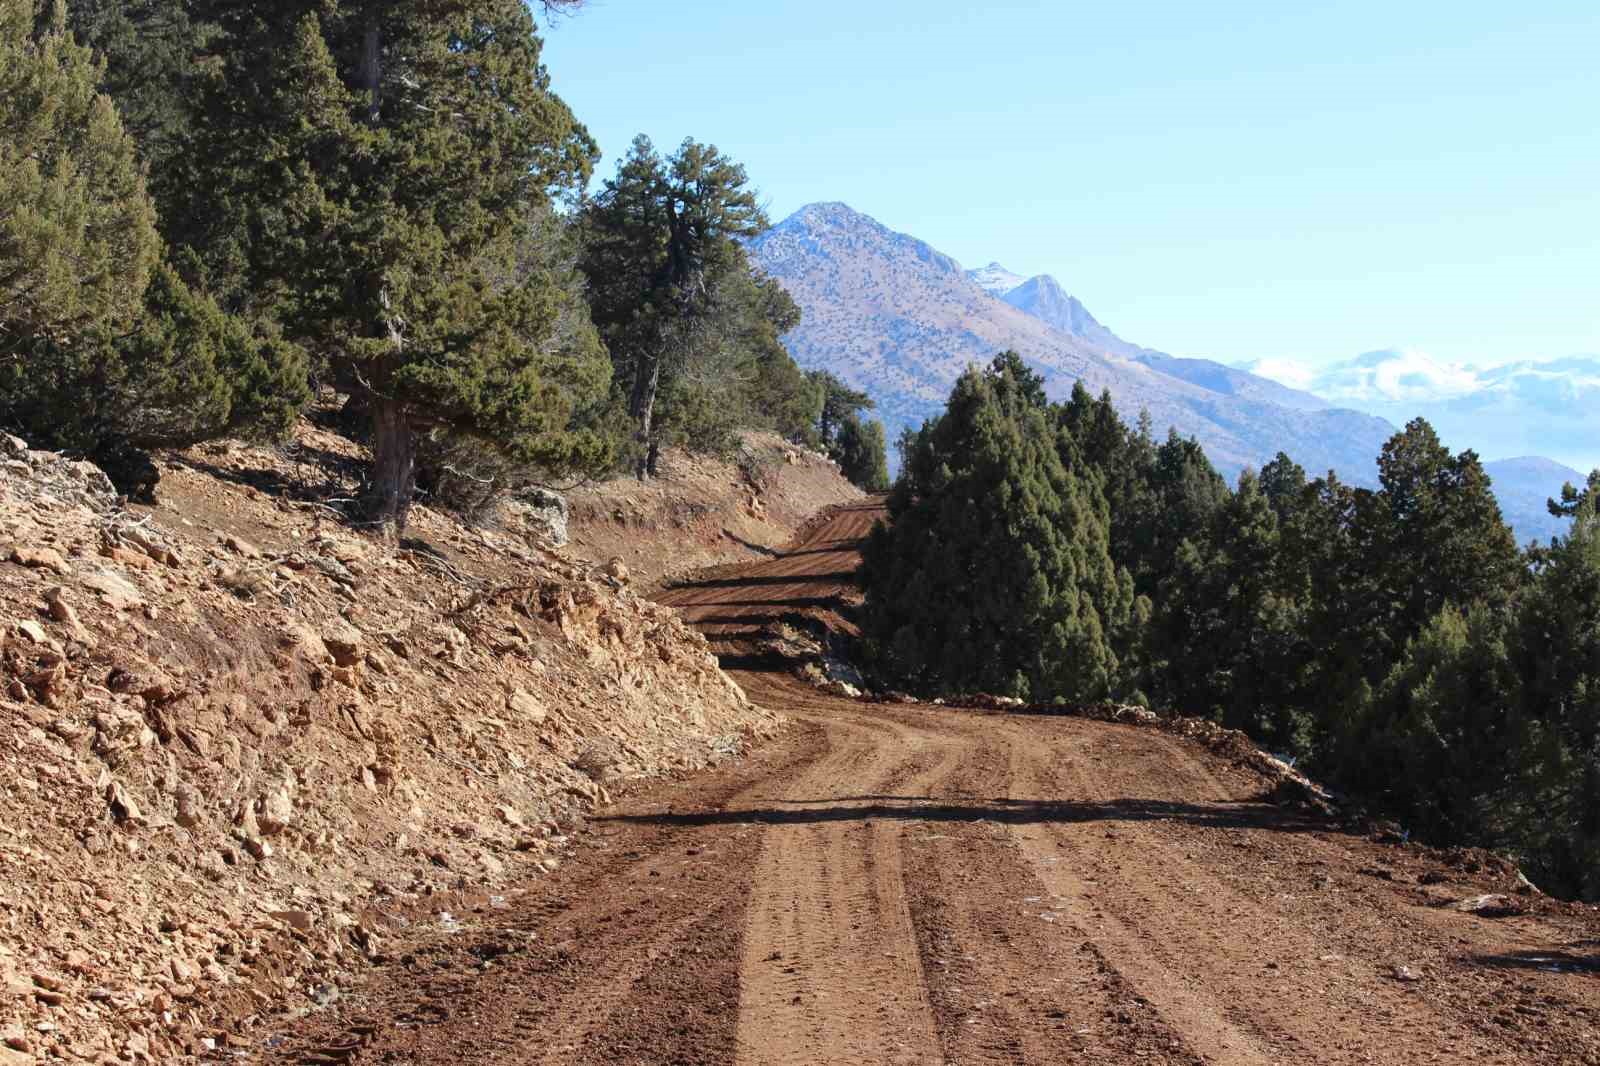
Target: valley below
[912, 883]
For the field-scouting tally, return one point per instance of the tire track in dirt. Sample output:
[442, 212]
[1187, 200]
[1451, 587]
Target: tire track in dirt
[1245, 980]
[831, 972]
[1011, 982]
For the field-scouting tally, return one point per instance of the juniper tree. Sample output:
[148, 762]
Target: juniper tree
[77, 228]
[365, 173]
[995, 573]
[659, 235]
[152, 55]
[102, 351]
[860, 451]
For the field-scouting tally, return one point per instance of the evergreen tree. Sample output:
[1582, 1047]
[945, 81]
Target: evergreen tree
[1441, 538]
[839, 402]
[1572, 497]
[1556, 816]
[730, 370]
[153, 69]
[364, 176]
[102, 350]
[181, 371]
[1434, 742]
[995, 572]
[861, 453]
[77, 228]
[659, 237]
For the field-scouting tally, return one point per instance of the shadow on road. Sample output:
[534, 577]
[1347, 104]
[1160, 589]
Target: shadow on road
[837, 577]
[1548, 961]
[1003, 811]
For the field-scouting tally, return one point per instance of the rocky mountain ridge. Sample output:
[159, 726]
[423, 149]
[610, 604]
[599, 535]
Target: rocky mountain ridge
[892, 315]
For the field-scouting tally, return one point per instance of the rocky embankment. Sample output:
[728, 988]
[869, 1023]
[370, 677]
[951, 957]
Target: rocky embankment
[244, 742]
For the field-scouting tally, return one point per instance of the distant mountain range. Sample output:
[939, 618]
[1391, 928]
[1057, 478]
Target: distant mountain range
[1521, 408]
[892, 316]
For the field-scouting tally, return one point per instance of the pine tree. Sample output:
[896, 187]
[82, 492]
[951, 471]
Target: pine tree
[839, 402]
[1572, 497]
[104, 351]
[77, 228]
[661, 235]
[151, 50]
[861, 453]
[1438, 536]
[181, 371]
[1556, 816]
[995, 572]
[1437, 737]
[366, 174]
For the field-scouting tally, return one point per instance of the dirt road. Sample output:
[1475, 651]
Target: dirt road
[911, 884]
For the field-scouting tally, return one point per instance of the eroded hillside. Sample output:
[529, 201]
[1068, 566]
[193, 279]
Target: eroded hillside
[243, 739]
[706, 510]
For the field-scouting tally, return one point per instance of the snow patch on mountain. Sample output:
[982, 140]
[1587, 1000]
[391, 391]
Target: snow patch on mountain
[995, 279]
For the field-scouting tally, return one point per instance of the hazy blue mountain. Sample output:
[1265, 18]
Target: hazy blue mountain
[1524, 408]
[1523, 486]
[893, 316]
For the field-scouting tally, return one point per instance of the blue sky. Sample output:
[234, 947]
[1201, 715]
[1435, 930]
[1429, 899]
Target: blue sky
[1238, 180]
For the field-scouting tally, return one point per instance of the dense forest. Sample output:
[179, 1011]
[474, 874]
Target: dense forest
[218, 212]
[1395, 638]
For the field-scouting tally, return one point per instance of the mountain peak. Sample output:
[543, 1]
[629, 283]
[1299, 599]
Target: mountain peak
[1043, 297]
[829, 210]
[995, 279]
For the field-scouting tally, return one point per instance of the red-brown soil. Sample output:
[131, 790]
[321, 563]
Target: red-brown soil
[704, 510]
[903, 883]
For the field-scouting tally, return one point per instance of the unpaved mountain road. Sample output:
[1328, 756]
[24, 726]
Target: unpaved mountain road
[909, 884]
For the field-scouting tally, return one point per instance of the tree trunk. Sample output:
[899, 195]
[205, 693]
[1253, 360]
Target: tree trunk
[370, 74]
[652, 462]
[642, 407]
[394, 468]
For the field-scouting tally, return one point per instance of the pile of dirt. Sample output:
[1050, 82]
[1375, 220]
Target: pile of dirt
[243, 740]
[705, 511]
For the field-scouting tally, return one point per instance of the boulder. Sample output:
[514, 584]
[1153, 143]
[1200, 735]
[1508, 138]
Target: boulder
[40, 559]
[115, 591]
[526, 706]
[344, 644]
[547, 515]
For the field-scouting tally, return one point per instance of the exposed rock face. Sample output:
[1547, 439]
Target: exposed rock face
[547, 514]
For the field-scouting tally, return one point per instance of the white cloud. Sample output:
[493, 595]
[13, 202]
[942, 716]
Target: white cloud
[1290, 372]
[1395, 375]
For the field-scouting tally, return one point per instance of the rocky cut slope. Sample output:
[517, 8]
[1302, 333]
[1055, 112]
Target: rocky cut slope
[244, 743]
[706, 510]
[891, 315]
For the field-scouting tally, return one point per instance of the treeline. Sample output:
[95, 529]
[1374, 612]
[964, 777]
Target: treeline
[1395, 638]
[216, 210]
